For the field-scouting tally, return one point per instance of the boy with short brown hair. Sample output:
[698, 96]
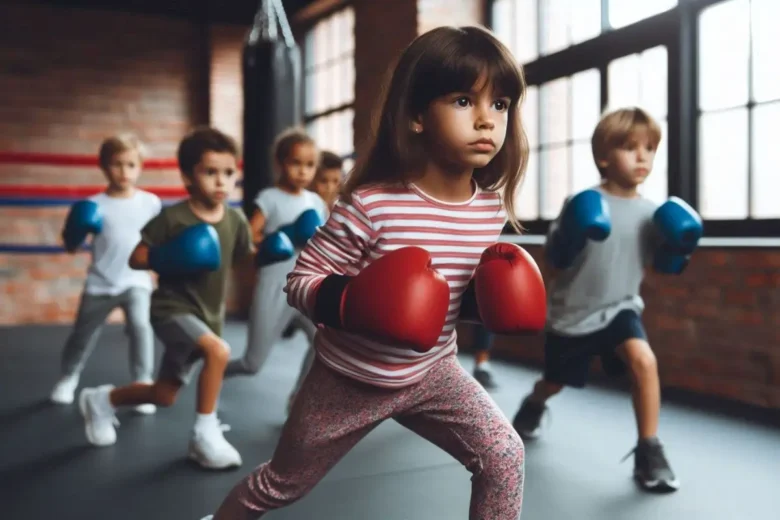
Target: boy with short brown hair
[191, 245]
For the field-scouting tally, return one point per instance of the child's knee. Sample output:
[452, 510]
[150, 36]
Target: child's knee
[505, 462]
[642, 360]
[165, 394]
[215, 349]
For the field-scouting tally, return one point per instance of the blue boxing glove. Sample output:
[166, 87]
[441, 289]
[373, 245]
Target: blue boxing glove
[274, 248]
[680, 229]
[84, 218]
[585, 217]
[194, 250]
[303, 228]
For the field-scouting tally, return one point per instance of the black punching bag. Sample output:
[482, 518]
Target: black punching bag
[272, 94]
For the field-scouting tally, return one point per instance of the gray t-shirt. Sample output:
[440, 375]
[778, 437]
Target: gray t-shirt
[606, 276]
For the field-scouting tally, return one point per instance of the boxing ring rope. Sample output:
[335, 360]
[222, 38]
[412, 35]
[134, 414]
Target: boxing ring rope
[36, 196]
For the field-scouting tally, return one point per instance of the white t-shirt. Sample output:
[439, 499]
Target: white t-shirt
[281, 208]
[123, 219]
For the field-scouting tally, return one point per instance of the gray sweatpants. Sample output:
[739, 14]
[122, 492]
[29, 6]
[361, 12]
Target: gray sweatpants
[92, 314]
[269, 315]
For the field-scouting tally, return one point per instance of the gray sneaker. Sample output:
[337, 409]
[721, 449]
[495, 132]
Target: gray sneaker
[651, 469]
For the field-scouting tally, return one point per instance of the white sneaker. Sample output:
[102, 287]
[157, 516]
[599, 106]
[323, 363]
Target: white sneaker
[210, 517]
[146, 408]
[209, 448]
[100, 420]
[64, 389]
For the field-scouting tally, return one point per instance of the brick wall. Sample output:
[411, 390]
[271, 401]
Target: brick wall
[94, 74]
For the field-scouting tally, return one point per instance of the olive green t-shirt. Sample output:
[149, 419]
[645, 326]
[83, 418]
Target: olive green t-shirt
[202, 294]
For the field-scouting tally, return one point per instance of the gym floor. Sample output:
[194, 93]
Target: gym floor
[47, 469]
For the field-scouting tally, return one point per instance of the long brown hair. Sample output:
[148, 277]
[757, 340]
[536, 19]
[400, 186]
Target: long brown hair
[440, 62]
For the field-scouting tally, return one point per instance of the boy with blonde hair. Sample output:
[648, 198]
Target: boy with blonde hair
[596, 254]
[115, 218]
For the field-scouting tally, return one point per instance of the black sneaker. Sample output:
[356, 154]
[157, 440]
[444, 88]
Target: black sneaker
[485, 378]
[528, 420]
[289, 332]
[651, 469]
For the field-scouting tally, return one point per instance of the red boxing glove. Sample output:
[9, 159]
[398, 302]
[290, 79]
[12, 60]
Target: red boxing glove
[509, 290]
[399, 298]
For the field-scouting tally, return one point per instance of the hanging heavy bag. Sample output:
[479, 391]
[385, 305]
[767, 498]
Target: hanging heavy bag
[272, 93]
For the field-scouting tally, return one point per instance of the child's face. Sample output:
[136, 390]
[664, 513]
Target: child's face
[124, 169]
[299, 167]
[467, 128]
[630, 164]
[213, 178]
[327, 184]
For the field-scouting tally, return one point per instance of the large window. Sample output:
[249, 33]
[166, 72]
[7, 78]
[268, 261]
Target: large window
[561, 160]
[561, 114]
[330, 81]
[739, 99]
[704, 69]
[534, 28]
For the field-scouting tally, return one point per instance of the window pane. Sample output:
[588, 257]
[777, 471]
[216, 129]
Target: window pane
[315, 91]
[623, 83]
[766, 65]
[555, 25]
[309, 52]
[530, 116]
[723, 60]
[320, 43]
[326, 87]
[723, 165]
[554, 176]
[585, 20]
[656, 186]
[335, 36]
[555, 111]
[336, 79]
[525, 46]
[350, 81]
[586, 103]
[626, 12]
[640, 80]
[501, 22]
[766, 162]
[349, 29]
[653, 83]
[527, 199]
[309, 90]
[584, 171]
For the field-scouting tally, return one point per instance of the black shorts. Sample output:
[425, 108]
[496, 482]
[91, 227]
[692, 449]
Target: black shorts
[567, 358]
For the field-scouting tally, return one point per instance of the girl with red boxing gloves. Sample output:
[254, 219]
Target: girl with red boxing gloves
[385, 276]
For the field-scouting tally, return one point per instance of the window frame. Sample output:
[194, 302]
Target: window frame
[303, 31]
[677, 30]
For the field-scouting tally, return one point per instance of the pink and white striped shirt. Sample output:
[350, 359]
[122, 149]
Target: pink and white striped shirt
[380, 219]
